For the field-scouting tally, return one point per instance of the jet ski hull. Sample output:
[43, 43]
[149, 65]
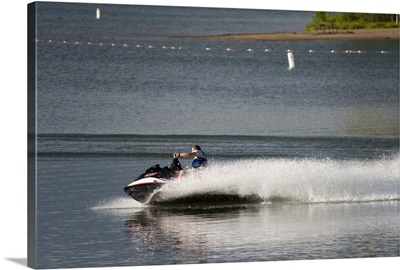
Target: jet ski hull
[144, 189]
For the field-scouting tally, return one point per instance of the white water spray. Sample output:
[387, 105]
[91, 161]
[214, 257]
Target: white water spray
[118, 203]
[298, 180]
[285, 180]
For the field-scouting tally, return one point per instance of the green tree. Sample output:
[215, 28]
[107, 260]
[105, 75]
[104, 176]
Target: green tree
[348, 20]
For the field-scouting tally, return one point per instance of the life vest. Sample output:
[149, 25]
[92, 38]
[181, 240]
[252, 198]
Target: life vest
[199, 161]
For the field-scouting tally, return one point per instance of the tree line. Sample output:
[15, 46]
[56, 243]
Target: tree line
[348, 21]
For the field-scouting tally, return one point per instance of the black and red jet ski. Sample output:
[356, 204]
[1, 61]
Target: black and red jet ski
[146, 185]
[146, 189]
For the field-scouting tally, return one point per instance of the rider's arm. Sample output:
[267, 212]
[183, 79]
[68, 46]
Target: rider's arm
[186, 154]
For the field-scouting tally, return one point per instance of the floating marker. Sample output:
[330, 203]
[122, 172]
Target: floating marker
[290, 59]
[207, 49]
[98, 14]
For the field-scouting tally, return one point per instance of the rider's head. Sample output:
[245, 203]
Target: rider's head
[195, 147]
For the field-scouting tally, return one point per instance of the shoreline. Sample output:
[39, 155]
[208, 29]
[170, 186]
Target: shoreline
[357, 34]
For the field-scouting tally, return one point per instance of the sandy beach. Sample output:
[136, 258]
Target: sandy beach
[362, 34]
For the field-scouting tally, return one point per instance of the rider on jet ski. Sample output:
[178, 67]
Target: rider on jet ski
[199, 157]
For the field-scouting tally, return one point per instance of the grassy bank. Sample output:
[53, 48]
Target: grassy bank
[357, 34]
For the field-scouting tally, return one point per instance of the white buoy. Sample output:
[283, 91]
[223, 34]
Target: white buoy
[98, 14]
[290, 59]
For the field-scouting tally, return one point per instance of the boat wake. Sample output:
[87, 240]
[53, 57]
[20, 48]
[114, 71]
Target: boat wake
[278, 181]
[290, 180]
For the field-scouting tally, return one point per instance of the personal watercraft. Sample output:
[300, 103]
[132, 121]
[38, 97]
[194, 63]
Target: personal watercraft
[147, 189]
[146, 185]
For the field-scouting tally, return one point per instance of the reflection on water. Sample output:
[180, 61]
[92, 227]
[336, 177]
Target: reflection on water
[185, 233]
[372, 121]
[264, 232]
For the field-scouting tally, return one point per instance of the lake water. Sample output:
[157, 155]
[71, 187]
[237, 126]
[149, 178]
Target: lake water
[319, 144]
